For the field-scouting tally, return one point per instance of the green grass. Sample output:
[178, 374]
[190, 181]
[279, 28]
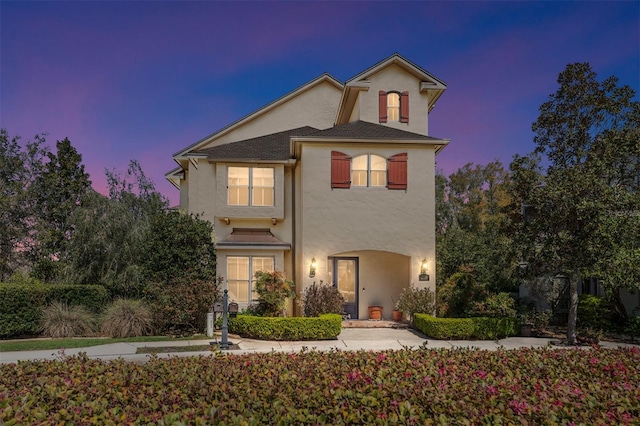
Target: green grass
[192, 348]
[34, 345]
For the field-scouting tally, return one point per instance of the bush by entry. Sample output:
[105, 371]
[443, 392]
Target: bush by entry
[467, 328]
[324, 327]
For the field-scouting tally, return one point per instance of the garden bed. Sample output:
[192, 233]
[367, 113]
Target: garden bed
[425, 386]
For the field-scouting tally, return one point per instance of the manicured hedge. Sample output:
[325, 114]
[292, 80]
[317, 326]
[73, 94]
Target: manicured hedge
[467, 328]
[324, 327]
[21, 304]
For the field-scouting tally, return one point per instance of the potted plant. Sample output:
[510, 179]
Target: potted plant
[397, 312]
[526, 324]
[375, 313]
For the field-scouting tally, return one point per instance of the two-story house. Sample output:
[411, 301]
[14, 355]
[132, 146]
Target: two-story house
[333, 181]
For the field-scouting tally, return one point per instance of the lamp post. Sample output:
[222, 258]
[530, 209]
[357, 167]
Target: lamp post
[224, 343]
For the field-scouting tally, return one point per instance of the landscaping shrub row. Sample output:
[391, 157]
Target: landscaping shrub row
[21, 305]
[467, 328]
[324, 327]
[415, 387]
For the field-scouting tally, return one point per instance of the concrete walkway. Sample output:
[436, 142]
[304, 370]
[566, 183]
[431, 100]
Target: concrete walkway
[350, 339]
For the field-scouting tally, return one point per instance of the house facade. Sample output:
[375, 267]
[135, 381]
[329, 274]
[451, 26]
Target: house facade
[333, 182]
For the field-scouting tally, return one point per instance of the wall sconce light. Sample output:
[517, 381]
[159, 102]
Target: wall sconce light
[226, 220]
[312, 268]
[424, 276]
[274, 221]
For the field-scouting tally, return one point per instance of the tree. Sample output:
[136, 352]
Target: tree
[472, 222]
[581, 215]
[108, 243]
[12, 211]
[58, 186]
[178, 245]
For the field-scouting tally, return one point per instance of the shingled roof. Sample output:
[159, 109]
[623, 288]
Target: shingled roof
[365, 130]
[269, 147]
[252, 237]
[276, 146]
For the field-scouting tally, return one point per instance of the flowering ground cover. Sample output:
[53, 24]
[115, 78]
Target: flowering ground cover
[424, 386]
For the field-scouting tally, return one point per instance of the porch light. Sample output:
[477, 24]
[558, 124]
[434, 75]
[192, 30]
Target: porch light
[424, 276]
[312, 268]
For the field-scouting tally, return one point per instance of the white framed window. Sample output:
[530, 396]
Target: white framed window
[250, 186]
[369, 170]
[393, 106]
[241, 276]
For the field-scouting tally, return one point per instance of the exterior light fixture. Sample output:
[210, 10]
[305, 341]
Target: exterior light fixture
[312, 268]
[424, 276]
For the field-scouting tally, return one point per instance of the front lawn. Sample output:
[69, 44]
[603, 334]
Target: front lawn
[83, 342]
[425, 386]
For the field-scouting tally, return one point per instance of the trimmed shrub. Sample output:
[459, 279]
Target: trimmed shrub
[181, 306]
[324, 327]
[21, 305]
[467, 328]
[62, 320]
[416, 301]
[126, 318]
[319, 299]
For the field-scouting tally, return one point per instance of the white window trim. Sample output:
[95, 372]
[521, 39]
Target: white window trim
[252, 273]
[250, 186]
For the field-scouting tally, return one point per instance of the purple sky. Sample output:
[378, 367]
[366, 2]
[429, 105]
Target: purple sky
[142, 80]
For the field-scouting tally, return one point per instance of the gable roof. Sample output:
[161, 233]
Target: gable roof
[325, 77]
[274, 147]
[403, 62]
[428, 83]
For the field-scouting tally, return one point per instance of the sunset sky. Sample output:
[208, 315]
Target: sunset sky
[142, 80]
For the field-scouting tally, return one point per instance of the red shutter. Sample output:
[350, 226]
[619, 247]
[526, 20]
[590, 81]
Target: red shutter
[404, 107]
[382, 106]
[340, 170]
[397, 172]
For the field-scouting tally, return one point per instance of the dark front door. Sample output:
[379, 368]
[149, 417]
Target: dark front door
[345, 272]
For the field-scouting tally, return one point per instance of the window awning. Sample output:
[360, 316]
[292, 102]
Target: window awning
[252, 238]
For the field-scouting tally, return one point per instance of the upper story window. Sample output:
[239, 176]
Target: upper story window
[369, 170]
[393, 106]
[250, 186]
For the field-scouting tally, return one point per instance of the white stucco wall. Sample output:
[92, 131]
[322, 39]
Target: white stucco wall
[365, 219]
[394, 78]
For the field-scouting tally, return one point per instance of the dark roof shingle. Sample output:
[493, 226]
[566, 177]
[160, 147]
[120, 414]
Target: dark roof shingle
[366, 130]
[269, 147]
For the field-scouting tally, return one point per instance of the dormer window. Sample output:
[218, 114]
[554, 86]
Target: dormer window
[393, 106]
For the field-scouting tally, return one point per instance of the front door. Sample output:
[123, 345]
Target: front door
[345, 272]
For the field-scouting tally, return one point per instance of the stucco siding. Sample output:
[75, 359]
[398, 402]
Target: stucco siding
[315, 107]
[366, 219]
[394, 78]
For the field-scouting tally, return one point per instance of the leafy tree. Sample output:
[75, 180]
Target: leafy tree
[582, 214]
[178, 245]
[12, 212]
[57, 190]
[473, 226]
[110, 234]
